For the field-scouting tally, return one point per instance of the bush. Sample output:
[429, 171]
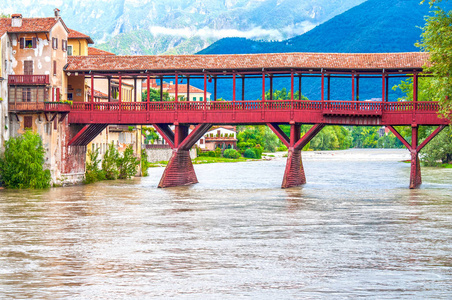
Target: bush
[109, 164]
[218, 152]
[127, 163]
[22, 163]
[258, 151]
[145, 164]
[211, 154]
[231, 153]
[249, 153]
[93, 173]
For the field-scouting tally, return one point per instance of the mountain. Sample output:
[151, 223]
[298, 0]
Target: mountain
[182, 26]
[373, 26]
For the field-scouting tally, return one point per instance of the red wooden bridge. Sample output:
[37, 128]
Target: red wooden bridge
[214, 69]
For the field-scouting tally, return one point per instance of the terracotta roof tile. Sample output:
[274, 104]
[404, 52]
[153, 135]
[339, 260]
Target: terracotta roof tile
[73, 34]
[95, 51]
[28, 25]
[332, 61]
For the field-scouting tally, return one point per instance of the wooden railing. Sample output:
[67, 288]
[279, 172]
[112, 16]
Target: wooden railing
[330, 106]
[40, 106]
[28, 79]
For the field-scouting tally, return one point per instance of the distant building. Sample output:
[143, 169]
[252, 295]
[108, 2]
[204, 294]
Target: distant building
[223, 137]
[194, 93]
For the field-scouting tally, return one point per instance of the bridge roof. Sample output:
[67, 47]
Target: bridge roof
[250, 62]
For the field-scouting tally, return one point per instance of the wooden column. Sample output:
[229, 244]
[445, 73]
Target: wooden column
[188, 87]
[135, 89]
[243, 87]
[263, 86]
[292, 88]
[92, 92]
[299, 87]
[215, 88]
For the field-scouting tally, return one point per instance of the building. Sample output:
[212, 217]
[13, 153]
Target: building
[223, 137]
[183, 92]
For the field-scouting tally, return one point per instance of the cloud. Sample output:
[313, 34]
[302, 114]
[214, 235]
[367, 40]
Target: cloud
[254, 33]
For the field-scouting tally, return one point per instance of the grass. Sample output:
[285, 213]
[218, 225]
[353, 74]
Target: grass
[210, 160]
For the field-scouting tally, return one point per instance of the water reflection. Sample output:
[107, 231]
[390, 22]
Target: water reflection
[354, 230]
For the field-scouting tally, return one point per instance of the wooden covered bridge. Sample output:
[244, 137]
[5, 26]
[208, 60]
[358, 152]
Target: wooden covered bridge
[214, 70]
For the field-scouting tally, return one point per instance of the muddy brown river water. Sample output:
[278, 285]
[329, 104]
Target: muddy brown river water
[353, 231]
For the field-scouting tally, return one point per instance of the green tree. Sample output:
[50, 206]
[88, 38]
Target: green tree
[93, 172]
[109, 163]
[438, 150]
[437, 39]
[154, 95]
[21, 165]
[3, 15]
[127, 163]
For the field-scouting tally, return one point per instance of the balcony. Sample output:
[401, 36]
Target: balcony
[28, 79]
[39, 107]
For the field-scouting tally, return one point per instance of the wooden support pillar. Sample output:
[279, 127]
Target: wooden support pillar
[415, 174]
[243, 87]
[179, 170]
[329, 89]
[383, 87]
[294, 173]
[205, 92]
[176, 93]
[387, 88]
[353, 86]
[92, 92]
[188, 88]
[215, 88]
[299, 87]
[415, 149]
[271, 87]
[357, 87]
[135, 89]
[161, 88]
[292, 87]
[148, 90]
[263, 86]
[109, 88]
[322, 96]
[234, 76]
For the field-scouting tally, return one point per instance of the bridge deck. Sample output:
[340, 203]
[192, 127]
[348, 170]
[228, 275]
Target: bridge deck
[258, 112]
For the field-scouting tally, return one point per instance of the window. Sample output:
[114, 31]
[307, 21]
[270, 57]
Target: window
[54, 43]
[194, 98]
[28, 67]
[201, 141]
[64, 45]
[69, 96]
[28, 122]
[201, 98]
[69, 50]
[27, 43]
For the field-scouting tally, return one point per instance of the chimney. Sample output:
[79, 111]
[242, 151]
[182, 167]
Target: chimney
[57, 13]
[16, 20]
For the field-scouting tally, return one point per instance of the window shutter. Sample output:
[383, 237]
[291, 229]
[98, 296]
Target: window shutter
[33, 43]
[54, 68]
[56, 43]
[58, 94]
[22, 43]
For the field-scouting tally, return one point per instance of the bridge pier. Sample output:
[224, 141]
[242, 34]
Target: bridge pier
[179, 170]
[415, 173]
[294, 174]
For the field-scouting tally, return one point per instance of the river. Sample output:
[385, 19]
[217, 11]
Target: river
[354, 230]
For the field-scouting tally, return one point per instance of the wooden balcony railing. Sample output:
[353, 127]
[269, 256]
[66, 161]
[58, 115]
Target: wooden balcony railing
[39, 106]
[28, 79]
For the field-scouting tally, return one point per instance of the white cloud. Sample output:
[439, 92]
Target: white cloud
[254, 33]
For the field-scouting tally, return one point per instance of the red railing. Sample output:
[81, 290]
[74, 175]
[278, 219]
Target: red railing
[28, 79]
[364, 107]
[40, 106]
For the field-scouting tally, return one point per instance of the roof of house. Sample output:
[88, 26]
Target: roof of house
[95, 51]
[98, 94]
[332, 61]
[29, 25]
[182, 88]
[73, 34]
